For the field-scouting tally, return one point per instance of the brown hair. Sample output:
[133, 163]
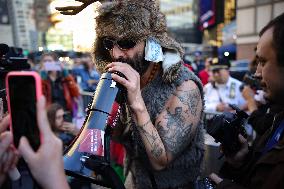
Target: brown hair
[51, 114]
[52, 54]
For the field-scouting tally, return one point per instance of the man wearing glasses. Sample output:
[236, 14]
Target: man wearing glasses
[160, 126]
[223, 90]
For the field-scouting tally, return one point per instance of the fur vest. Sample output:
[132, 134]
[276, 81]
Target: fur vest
[187, 166]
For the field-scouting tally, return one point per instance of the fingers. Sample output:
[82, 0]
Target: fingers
[42, 120]
[120, 80]
[242, 139]
[4, 123]
[5, 141]
[121, 67]
[15, 159]
[26, 150]
[126, 69]
[215, 178]
[244, 144]
[8, 161]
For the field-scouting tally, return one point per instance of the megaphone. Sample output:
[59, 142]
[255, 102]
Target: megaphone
[88, 156]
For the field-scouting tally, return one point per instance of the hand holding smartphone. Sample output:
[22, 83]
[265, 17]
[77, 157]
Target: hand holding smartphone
[23, 91]
[28, 118]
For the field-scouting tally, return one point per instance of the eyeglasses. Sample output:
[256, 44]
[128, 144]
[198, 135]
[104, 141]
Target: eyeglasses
[124, 44]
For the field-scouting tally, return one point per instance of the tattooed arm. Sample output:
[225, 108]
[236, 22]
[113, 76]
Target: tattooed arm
[174, 127]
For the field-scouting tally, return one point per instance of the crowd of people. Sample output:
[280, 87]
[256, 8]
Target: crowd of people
[161, 125]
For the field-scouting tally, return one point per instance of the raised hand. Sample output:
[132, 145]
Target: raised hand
[8, 154]
[131, 83]
[73, 10]
[70, 128]
[46, 164]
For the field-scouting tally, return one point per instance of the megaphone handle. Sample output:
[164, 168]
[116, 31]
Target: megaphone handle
[106, 171]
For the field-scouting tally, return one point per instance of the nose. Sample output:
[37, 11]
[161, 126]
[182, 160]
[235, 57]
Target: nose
[258, 71]
[117, 53]
[215, 73]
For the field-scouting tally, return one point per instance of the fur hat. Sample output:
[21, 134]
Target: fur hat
[133, 19]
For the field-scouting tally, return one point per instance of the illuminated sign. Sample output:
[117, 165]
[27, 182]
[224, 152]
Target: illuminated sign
[4, 18]
[207, 11]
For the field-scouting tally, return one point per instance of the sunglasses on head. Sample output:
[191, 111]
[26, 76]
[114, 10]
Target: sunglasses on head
[124, 44]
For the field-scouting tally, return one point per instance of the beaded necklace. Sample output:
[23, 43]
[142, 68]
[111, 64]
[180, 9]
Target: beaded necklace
[152, 74]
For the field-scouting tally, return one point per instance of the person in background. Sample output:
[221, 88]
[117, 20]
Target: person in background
[58, 85]
[204, 74]
[89, 77]
[31, 61]
[66, 131]
[77, 61]
[198, 61]
[223, 90]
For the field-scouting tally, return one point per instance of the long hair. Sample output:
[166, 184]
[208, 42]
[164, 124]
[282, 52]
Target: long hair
[51, 114]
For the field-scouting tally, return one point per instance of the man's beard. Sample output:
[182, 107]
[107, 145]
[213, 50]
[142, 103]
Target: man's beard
[138, 63]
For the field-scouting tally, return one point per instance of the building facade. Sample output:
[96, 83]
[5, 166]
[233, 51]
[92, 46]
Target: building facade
[19, 24]
[23, 24]
[252, 15]
[5, 24]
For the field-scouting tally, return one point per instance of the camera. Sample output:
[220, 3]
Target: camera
[226, 127]
[251, 81]
[11, 59]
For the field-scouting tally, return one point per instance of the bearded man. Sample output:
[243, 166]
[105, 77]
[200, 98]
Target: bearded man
[160, 126]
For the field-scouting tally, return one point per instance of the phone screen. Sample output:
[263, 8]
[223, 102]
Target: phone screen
[22, 94]
[52, 66]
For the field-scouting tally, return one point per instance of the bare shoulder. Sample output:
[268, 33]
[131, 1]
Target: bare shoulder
[189, 96]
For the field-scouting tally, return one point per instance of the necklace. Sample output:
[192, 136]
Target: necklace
[152, 74]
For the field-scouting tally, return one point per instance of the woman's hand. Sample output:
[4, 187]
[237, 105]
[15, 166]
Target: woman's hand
[8, 154]
[131, 83]
[46, 164]
[70, 128]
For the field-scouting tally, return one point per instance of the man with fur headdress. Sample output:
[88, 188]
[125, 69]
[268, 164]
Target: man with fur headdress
[160, 125]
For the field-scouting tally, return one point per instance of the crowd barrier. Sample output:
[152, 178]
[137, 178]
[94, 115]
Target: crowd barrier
[87, 98]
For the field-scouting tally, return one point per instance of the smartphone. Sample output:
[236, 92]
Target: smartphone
[23, 91]
[52, 66]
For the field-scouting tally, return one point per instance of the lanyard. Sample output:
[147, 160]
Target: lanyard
[274, 139]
